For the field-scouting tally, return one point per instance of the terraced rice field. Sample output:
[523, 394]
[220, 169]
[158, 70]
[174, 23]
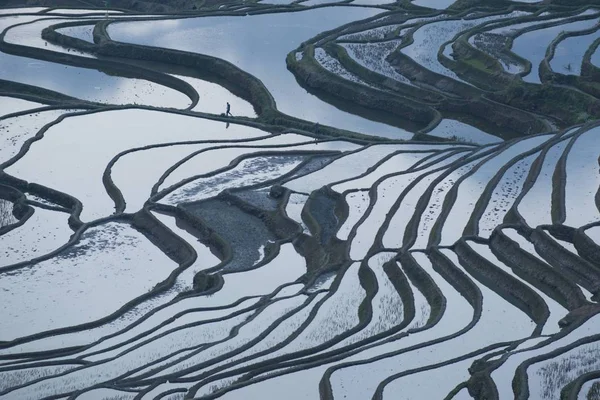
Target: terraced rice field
[404, 202]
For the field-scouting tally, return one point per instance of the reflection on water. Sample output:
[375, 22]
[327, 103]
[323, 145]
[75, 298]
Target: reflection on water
[457, 130]
[213, 98]
[532, 45]
[438, 4]
[71, 288]
[92, 140]
[83, 32]
[30, 35]
[88, 84]
[569, 53]
[10, 105]
[258, 45]
[21, 10]
[82, 83]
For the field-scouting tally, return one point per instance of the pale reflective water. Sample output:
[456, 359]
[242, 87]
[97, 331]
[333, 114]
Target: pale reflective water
[82, 83]
[258, 45]
[532, 45]
[569, 53]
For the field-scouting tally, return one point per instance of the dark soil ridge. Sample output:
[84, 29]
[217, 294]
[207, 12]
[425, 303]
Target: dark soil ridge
[513, 215]
[324, 213]
[520, 386]
[586, 247]
[298, 368]
[20, 209]
[581, 82]
[532, 270]
[452, 194]
[115, 193]
[505, 285]
[566, 113]
[369, 284]
[457, 279]
[410, 233]
[275, 119]
[472, 227]
[491, 104]
[260, 150]
[572, 390]
[107, 66]
[319, 362]
[559, 178]
[419, 166]
[140, 221]
[100, 31]
[577, 269]
[250, 344]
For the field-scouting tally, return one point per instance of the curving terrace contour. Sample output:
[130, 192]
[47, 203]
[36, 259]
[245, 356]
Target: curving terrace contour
[404, 205]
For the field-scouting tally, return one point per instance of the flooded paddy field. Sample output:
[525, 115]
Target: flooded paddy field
[315, 199]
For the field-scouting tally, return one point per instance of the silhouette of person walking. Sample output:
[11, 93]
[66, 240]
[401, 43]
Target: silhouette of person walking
[228, 110]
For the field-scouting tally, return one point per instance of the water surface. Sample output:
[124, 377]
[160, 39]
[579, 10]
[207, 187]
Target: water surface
[569, 53]
[259, 44]
[532, 45]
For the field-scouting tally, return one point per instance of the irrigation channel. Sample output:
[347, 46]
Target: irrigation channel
[405, 203]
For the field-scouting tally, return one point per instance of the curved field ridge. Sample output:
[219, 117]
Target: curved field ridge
[152, 247]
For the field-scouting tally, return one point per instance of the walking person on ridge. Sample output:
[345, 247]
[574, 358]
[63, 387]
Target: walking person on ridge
[228, 112]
